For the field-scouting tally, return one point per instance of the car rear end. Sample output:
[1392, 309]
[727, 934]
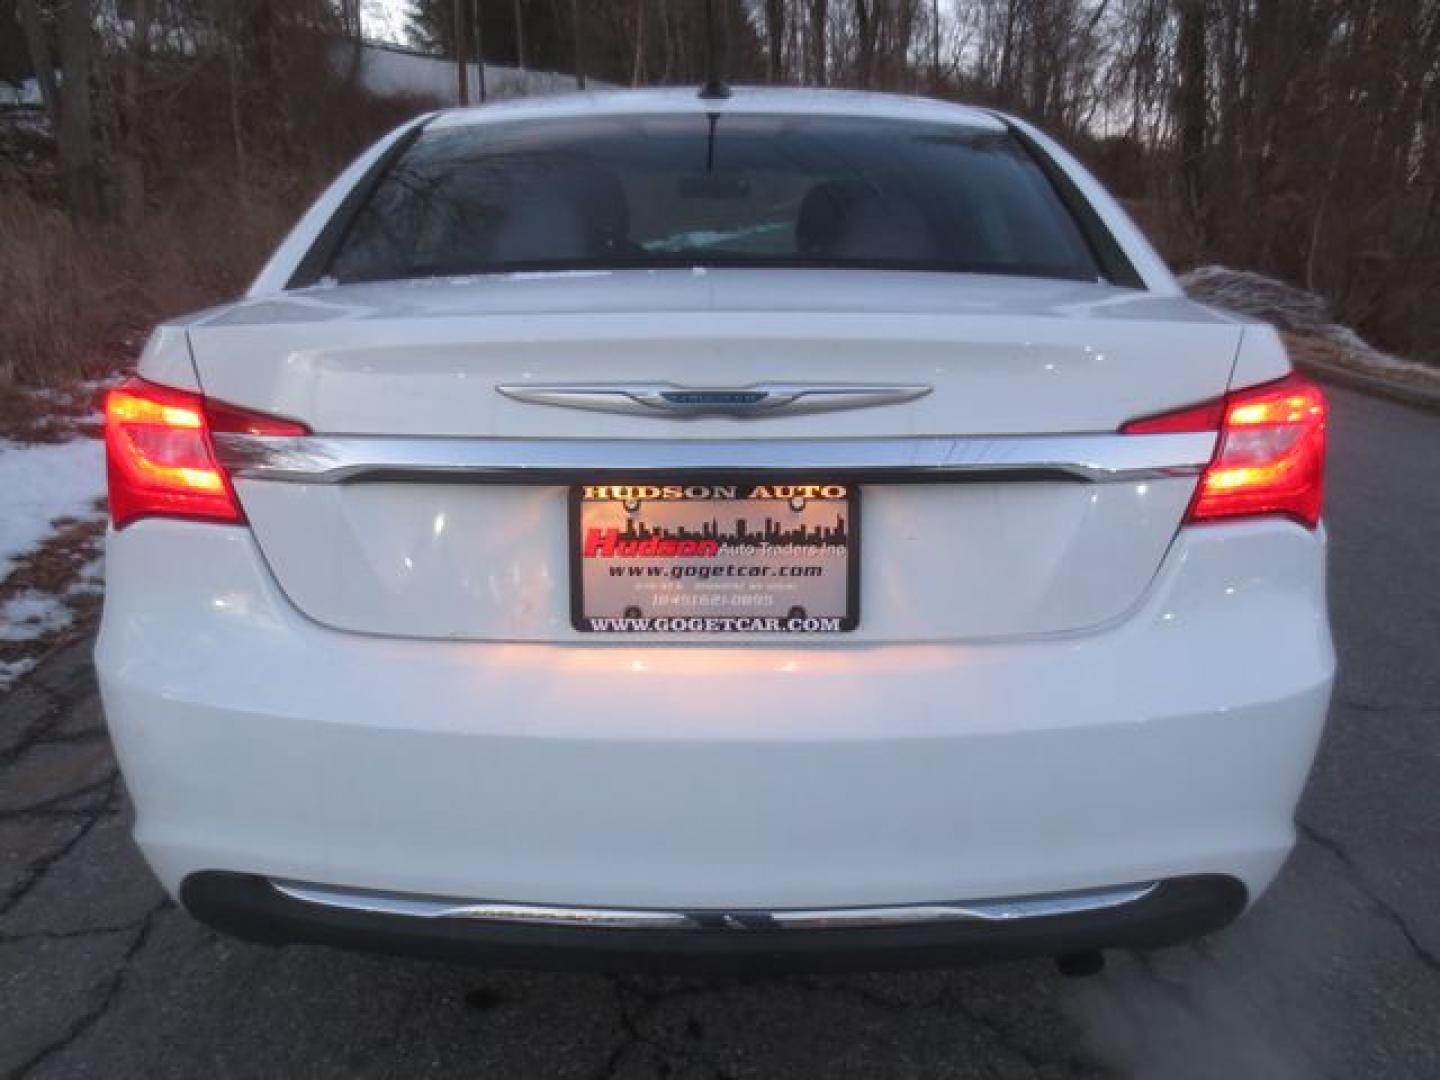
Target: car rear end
[684, 555]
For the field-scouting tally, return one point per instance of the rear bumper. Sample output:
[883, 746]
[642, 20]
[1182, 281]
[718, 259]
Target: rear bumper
[1172, 744]
[249, 906]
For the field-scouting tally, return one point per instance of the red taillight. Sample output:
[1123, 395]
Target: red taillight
[1269, 456]
[159, 456]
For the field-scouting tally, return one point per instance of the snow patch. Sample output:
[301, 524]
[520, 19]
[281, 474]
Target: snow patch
[32, 615]
[40, 483]
[12, 671]
[90, 581]
[1358, 348]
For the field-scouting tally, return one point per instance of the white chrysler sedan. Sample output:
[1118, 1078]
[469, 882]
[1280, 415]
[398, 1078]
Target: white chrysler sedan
[799, 529]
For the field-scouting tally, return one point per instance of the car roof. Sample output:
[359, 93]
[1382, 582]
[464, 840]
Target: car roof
[769, 100]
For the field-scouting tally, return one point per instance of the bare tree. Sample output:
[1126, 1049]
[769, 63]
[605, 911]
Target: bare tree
[934, 43]
[576, 33]
[130, 119]
[637, 71]
[864, 14]
[1192, 106]
[69, 104]
[41, 58]
[462, 76]
[520, 34]
[819, 29]
[774, 39]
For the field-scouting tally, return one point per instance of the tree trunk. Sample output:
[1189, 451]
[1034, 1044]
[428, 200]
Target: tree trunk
[865, 43]
[476, 21]
[637, 69]
[1191, 105]
[1261, 102]
[819, 23]
[775, 39]
[40, 59]
[520, 34]
[132, 160]
[75, 137]
[462, 77]
[579, 44]
[68, 103]
[237, 130]
[1007, 52]
[667, 38]
[935, 44]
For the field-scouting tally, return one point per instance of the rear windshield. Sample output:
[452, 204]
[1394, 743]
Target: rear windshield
[606, 192]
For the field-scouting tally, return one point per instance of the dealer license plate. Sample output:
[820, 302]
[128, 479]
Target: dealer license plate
[725, 558]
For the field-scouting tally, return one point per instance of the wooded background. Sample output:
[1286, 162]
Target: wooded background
[1299, 138]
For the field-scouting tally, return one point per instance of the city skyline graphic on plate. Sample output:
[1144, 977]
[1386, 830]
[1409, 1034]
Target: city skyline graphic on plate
[770, 532]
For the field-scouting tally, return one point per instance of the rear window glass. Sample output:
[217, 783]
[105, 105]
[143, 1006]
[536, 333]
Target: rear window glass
[729, 190]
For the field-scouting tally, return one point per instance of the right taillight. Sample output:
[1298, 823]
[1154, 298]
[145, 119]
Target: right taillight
[1269, 453]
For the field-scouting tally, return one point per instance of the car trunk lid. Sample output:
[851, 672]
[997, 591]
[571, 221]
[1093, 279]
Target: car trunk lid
[996, 372]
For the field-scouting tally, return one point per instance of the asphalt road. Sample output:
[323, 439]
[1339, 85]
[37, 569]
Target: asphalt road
[1335, 973]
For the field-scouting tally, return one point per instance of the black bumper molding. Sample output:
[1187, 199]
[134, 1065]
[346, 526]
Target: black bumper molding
[250, 907]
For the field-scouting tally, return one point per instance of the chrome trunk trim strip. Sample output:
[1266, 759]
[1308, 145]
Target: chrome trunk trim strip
[670, 402]
[739, 919]
[336, 459]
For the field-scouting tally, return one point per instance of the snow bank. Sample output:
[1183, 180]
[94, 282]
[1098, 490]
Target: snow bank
[1295, 310]
[1263, 297]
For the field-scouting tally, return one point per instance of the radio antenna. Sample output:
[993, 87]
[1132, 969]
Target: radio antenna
[714, 88]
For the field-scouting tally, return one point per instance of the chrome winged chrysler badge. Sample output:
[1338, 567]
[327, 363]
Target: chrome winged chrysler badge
[684, 402]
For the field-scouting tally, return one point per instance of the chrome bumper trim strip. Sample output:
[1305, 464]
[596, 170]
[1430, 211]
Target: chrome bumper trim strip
[741, 919]
[338, 459]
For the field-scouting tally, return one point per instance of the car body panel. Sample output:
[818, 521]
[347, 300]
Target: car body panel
[1058, 681]
[710, 776]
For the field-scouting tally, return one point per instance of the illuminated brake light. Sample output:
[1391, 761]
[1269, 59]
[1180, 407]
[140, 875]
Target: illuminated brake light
[159, 456]
[1269, 453]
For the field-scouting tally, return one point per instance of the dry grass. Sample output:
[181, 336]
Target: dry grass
[55, 285]
[77, 300]
[74, 301]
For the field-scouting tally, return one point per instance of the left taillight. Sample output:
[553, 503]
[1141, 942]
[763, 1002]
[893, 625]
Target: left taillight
[160, 458]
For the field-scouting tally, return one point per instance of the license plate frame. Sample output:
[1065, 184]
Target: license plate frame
[843, 620]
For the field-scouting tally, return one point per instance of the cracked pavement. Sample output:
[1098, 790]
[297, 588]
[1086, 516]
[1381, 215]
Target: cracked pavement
[1335, 973]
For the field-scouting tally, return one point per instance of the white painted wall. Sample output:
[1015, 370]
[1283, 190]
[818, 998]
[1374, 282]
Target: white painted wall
[389, 71]
[26, 92]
